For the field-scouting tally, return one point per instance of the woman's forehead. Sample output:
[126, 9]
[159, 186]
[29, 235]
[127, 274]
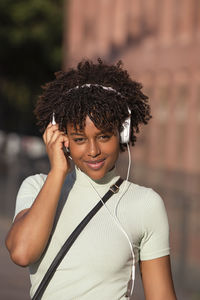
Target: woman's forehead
[87, 126]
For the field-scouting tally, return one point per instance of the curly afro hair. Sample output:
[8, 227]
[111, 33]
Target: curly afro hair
[78, 93]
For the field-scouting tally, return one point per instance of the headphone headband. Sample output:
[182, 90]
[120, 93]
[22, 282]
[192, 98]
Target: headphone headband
[107, 88]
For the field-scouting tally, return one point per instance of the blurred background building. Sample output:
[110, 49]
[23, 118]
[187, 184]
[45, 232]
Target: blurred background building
[159, 43]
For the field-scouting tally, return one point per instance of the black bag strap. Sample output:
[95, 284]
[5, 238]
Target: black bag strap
[71, 239]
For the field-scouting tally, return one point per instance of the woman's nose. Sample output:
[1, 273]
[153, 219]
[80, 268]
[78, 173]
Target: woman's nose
[94, 149]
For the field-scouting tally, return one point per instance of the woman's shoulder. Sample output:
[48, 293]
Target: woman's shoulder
[148, 207]
[144, 194]
[34, 181]
[139, 189]
[36, 178]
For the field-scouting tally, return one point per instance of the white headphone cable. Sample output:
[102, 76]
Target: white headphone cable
[121, 227]
[118, 222]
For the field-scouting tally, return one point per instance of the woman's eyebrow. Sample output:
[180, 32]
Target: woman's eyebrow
[77, 133]
[82, 133]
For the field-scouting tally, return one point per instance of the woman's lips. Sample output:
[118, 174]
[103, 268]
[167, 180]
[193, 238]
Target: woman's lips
[95, 165]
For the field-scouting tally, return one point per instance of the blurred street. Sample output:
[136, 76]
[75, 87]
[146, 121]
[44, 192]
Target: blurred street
[14, 283]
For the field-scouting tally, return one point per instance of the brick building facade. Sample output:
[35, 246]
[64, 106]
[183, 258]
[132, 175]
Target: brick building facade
[159, 43]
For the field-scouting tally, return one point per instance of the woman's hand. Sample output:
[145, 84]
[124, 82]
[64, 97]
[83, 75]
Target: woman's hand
[54, 140]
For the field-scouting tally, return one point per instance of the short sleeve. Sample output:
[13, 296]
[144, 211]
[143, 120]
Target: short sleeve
[28, 191]
[155, 240]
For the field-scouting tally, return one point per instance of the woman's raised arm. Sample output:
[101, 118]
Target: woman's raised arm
[31, 229]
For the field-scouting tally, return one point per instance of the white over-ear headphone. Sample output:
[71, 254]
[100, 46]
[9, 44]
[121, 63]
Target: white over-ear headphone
[125, 133]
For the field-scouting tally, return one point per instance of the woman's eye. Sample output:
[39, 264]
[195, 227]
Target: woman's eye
[79, 140]
[105, 137]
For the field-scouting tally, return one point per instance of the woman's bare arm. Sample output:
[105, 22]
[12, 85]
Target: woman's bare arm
[157, 279]
[31, 229]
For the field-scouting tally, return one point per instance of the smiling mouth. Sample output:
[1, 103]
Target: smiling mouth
[95, 165]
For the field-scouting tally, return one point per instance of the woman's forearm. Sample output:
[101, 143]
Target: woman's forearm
[30, 231]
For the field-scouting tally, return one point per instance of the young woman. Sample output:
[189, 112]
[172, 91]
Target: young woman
[90, 105]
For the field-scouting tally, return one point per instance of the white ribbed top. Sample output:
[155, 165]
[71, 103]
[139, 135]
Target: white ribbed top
[98, 265]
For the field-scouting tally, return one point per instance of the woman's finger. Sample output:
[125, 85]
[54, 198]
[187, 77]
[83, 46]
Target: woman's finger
[57, 134]
[45, 133]
[49, 132]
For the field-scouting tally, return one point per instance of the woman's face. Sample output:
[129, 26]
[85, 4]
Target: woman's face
[94, 152]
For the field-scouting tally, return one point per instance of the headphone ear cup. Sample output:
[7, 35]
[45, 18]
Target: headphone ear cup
[125, 133]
